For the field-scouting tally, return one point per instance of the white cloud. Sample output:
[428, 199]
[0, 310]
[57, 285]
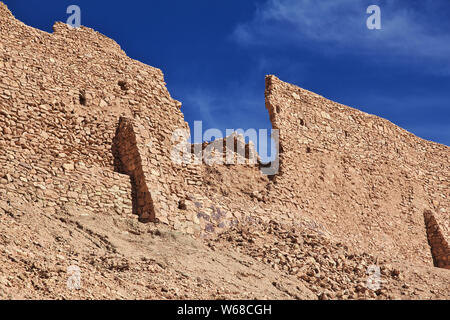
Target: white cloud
[340, 27]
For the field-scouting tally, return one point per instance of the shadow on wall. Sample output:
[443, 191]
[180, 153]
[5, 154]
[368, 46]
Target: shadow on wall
[127, 160]
[439, 246]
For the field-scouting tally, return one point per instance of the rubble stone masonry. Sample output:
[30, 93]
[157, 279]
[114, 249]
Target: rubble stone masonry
[85, 128]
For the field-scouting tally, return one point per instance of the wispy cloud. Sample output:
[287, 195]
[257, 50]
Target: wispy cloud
[340, 27]
[203, 102]
[236, 105]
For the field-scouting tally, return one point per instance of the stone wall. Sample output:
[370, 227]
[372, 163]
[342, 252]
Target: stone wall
[79, 191]
[61, 98]
[361, 176]
[74, 109]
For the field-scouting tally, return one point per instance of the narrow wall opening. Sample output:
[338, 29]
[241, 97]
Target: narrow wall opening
[127, 160]
[439, 246]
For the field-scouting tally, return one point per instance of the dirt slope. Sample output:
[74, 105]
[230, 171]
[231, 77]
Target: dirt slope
[121, 258]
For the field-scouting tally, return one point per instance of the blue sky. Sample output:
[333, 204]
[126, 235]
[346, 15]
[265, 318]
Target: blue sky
[215, 54]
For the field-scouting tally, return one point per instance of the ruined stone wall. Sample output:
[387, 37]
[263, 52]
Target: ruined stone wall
[361, 176]
[217, 196]
[61, 98]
